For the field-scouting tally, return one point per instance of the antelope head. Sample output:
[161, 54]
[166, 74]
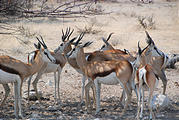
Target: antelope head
[155, 51]
[74, 51]
[143, 56]
[46, 55]
[65, 46]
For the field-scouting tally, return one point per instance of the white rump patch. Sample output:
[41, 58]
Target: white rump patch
[142, 72]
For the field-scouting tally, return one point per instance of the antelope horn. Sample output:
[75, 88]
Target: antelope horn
[79, 38]
[40, 42]
[149, 40]
[139, 49]
[70, 34]
[45, 46]
[109, 36]
[87, 44]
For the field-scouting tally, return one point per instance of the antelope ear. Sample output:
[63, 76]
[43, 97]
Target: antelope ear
[38, 46]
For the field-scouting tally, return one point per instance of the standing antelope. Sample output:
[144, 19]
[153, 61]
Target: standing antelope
[94, 56]
[111, 72]
[145, 78]
[52, 67]
[158, 62]
[15, 71]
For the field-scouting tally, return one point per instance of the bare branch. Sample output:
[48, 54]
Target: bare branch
[174, 59]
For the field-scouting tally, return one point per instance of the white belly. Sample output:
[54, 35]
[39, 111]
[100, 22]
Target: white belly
[6, 77]
[110, 79]
[51, 68]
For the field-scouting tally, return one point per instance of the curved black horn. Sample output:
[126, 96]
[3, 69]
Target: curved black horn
[70, 33]
[139, 49]
[149, 39]
[39, 41]
[67, 34]
[109, 36]
[45, 46]
[79, 38]
[87, 44]
[105, 41]
[63, 36]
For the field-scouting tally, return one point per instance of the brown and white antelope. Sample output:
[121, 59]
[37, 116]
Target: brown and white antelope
[94, 56]
[159, 62]
[111, 72]
[16, 71]
[146, 78]
[52, 67]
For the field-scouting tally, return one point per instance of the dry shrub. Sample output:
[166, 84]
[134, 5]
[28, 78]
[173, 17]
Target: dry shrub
[146, 22]
[90, 27]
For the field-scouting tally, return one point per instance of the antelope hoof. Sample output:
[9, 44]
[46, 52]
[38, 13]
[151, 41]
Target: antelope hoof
[21, 116]
[89, 111]
[138, 118]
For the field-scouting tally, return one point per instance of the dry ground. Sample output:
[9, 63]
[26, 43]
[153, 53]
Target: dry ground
[122, 20]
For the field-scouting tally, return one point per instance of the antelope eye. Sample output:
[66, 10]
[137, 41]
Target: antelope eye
[61, 44]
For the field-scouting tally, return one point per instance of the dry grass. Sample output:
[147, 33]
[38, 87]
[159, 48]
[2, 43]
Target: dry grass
[90, 27]
[146, 22]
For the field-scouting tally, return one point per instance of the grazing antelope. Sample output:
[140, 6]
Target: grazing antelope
[16, 71]
[145, 78]
[52, 67]
[111, 72]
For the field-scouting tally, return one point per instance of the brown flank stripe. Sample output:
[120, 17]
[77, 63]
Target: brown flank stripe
[9, 70]
[103, 74]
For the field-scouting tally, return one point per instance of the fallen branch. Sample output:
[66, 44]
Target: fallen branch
[68, 8]
[173, 59]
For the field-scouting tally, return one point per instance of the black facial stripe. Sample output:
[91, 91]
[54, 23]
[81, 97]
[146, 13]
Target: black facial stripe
[48, 56]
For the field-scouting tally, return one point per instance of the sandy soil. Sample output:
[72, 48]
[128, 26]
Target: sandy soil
[122, 20]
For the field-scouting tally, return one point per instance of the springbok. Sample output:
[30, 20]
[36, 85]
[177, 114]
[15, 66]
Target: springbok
[16, 71]
[159, 62]
[145, 78]
[52, 67]
[94, 56]
[111, 72]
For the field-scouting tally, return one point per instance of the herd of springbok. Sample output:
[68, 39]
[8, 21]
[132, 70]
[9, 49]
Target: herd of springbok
[107, 65]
